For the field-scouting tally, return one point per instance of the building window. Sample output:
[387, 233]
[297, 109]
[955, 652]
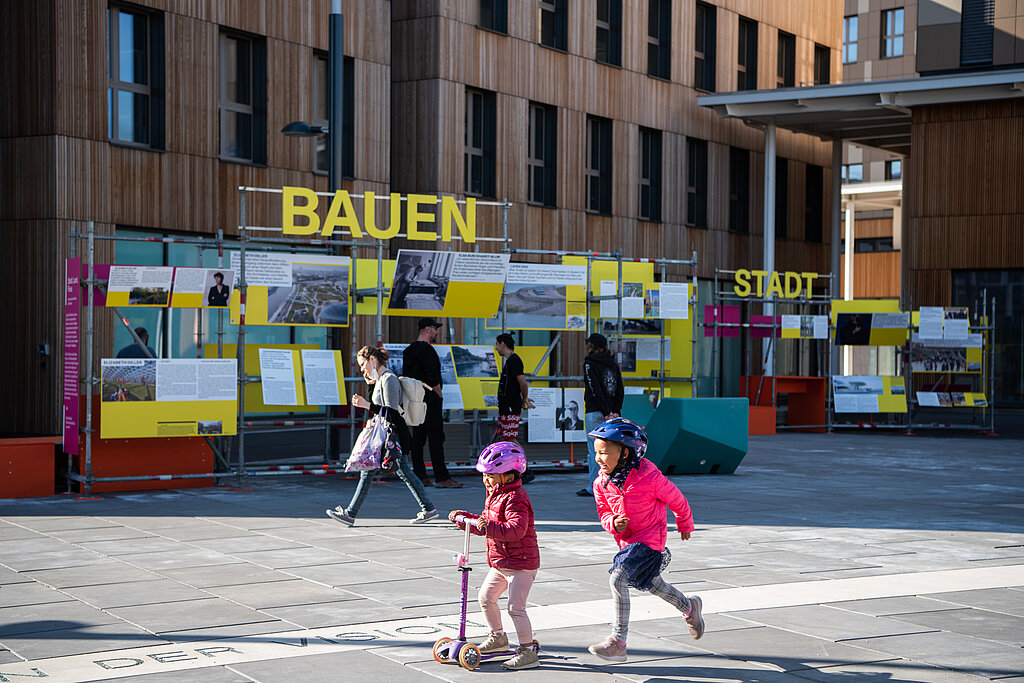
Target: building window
[650, 174]
[321, 88]
[781, 197]
[542, 159]
[135, 73]
[894, 169]
[872, 244]
[599, 165]
[480, 142]
[659, 38]
[852, 173]
[746, 70]
[243, 98]
[739, 190]
[785, 71]
[815, 204]
[704, 49]
[822, 65]
[553, 26]
[609, 32]
[494, 15]
[850, 40]
[977, 31]
[892, 33]
[696, 183]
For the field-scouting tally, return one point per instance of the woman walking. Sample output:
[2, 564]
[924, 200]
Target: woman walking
[384, 401]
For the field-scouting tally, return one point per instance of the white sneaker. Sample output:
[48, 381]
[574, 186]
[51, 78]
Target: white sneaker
[424, 517]
[341, 516]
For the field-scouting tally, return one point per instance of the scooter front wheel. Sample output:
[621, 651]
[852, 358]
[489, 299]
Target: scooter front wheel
[469, 657]
[439, 647]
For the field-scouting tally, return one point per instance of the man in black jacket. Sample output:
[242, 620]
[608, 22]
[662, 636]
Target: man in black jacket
[419, 360]
[602, 396]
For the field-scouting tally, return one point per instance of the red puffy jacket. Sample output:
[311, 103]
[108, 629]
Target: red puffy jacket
[642, 499]
[511, 536]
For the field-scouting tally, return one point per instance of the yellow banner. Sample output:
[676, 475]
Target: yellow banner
[254, 390]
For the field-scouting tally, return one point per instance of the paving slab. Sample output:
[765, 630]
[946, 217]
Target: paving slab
[357, 665]
[292, 557]
[884, 607]
[19, 594]
[263, 629]
[47, 524]
[339, 613]
[107, 572]
[280, 594]
[210, 674]
[178, 559]
[106, 533]
[995, 599]
[892, 671]
[675, 626]
[352, 574]
[51, 616]
[953, 651]
[75, 641]
[198, 532]
[828, 622]
[244, 544]
[744, 576]
[132, 546]
[135, 593]
[1004, 628]
[189, 614]
[407, 593]
[223, 575]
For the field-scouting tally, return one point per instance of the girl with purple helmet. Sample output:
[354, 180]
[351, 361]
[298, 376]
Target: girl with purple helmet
[631, 495]
[512, 551]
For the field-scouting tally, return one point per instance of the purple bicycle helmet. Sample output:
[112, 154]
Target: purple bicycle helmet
[623, 431]
[501, 457]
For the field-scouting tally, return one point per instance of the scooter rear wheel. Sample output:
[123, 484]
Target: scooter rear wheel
[443, 659]
[469, 657]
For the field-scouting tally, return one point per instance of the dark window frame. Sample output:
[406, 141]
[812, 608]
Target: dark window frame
[781, 197]
[256, 109]
[554, 29]
[493, 16]
[822, 64]
[696, 183]
[785, 61]
[321, 87]
[814, 205]
[482, 105]
[704, 47]
[542, 156]
[891, 41]
[659, 39]
[846, 173]
[599, 166]
[746, 54]
[152, 90]
[650, 175]
[610, 28]
[739, 190]
[977, 32]
[890, 164]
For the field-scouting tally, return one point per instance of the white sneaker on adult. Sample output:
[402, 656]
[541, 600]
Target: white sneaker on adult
[341, 516]
[424, 517]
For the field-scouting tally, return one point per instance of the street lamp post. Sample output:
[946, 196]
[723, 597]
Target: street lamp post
[335, 134]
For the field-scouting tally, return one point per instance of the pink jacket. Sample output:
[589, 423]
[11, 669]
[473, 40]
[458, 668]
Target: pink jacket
[643, 499]
[511, 536]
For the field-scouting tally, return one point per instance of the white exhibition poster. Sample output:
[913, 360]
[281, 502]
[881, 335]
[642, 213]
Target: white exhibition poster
[569, 417]
[264, 268]
[675, 300]
[477, 267]
[143, 285]
[856, 393]
[647, 349]
[542, 415]
[928, 399]
[196, 379]
[929, 322]
[957, 323]
[890, 320]
[277, 375]
[321, 377]
[609, 307]
[535, 297]
[820, 326]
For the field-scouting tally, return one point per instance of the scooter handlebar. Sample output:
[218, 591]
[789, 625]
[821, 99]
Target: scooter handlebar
[462, 519]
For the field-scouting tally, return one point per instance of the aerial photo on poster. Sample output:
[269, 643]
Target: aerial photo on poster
[536, 298]
[318, 296]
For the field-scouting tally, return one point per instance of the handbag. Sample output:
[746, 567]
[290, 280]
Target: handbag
[392, 450]
[366, 454]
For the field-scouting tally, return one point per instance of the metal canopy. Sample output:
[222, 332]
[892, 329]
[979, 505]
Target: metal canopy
[874, 114]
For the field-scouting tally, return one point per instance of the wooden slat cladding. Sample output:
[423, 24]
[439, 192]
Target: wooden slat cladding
[27, 79]
[965, 197]
[871, 227]
[875, 275]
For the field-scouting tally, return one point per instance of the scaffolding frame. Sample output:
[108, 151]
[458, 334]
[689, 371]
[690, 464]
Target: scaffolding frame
[770, 308]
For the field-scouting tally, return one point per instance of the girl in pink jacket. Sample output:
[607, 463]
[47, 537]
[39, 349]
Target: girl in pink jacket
[512, 551]
[631, 495]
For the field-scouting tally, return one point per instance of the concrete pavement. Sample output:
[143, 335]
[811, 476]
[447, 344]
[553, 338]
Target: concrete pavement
[826, 557]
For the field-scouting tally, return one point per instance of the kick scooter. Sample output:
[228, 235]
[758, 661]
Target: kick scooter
[460, 650]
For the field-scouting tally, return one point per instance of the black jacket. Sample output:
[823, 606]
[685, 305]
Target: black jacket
[602, 383]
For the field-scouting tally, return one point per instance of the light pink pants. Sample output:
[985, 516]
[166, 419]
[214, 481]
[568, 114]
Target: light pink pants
[518, 582]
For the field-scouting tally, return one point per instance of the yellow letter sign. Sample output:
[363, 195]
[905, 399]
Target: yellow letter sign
[771, 284]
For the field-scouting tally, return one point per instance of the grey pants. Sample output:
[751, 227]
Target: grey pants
[620, 592]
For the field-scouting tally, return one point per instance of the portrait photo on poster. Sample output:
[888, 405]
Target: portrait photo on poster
[853, 329]
[218, 287]
[568, 418]
[421, 280]
[318, 296]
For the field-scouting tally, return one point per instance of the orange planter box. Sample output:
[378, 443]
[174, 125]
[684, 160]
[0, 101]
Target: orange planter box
[26, 466]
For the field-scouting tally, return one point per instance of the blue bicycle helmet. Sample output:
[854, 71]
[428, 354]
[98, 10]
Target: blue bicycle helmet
[623, 431]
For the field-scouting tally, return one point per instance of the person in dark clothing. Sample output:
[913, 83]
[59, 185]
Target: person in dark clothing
[219, 293]
[513, 394]
[420, 361]
[133, 350]
[602, 396]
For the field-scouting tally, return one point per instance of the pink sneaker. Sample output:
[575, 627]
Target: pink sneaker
[611, 649]
[694, 620]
